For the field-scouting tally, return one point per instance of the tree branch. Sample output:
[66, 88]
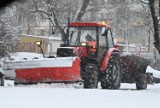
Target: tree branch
[80, 14]
[145, 1]
[57, 24]
[37, 10]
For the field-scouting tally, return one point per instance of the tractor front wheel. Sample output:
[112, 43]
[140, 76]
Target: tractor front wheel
[91, 76]
[111, 78]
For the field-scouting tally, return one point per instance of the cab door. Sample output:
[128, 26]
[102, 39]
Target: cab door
[103, 45]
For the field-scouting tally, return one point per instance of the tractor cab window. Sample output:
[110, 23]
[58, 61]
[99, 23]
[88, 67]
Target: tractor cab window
[110, 39]
[72, 36]
[102, 39]
[105, 38]
[82, 34]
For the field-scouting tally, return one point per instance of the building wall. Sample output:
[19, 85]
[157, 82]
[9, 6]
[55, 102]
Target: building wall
[53, 45]
[27, 44]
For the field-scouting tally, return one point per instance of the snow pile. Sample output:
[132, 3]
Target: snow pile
[156, 73]
[21, 56]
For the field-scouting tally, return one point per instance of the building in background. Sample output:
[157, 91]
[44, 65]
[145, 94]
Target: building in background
[49, 44]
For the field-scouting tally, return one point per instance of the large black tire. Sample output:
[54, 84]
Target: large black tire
[91, 76]
[2, 80]
[111, 78]
[141, 81]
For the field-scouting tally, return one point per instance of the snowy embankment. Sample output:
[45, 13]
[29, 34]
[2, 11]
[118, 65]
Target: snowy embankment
[156, 73]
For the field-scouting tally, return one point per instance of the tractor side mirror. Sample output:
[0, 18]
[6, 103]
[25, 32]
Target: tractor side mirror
[105, 33]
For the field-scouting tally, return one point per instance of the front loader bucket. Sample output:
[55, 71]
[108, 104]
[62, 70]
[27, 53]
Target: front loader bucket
[132, 67]
[65, 69]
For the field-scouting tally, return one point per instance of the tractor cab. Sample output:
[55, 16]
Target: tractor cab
[88, 39]
[91, 39]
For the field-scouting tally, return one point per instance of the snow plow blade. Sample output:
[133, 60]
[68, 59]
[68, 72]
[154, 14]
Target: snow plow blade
[48, 70]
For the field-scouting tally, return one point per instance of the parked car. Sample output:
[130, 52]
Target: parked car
[2, 76]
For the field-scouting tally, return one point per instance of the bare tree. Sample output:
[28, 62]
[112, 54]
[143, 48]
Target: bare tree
[8, 30]
[57, 11]
[154, 6]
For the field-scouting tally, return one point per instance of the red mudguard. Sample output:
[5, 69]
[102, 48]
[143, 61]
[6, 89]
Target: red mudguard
[107, 57]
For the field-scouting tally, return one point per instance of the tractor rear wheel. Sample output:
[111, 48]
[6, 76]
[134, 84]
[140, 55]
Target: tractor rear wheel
[141, 81]
[91, 76]
[111, 78]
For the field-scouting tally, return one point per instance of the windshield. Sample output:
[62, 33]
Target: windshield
[82, 34]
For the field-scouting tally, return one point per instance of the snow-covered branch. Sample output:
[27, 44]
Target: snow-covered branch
[82, 10]
[9, 31]
[145, 1]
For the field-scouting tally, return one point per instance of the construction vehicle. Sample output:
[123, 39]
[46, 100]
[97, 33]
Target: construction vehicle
[77, 60]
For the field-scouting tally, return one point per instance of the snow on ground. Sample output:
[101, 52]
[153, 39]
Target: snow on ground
[66, 96]
[156, 73]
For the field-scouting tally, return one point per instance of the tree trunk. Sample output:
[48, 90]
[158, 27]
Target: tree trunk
[82, 10]
[155, 24]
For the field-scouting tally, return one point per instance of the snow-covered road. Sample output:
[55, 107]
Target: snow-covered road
[66, 96]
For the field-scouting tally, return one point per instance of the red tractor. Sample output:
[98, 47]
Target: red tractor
[99, 58]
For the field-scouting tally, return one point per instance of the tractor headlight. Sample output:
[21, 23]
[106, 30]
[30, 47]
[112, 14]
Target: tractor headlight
[103, 23]
[83, 44]
[94, 46]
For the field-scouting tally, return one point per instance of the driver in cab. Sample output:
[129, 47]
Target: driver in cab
[91, 43]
